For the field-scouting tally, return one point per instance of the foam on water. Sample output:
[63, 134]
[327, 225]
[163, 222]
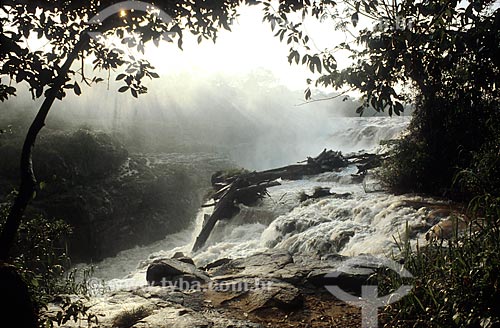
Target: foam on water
[365, 222]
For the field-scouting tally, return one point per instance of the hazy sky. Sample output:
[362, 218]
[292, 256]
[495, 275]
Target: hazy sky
[251, 44]
[239, 95]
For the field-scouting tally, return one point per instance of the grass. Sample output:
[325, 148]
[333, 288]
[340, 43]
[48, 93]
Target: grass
[456, 281]
[129, 318]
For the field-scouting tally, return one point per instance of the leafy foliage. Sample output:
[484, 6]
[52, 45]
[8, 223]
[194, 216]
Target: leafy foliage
[41, 259]
[407, 45]
[456, 282]
[441, 55]
[61, 25]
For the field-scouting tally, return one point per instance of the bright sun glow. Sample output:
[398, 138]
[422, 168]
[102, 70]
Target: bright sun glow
[249, 46]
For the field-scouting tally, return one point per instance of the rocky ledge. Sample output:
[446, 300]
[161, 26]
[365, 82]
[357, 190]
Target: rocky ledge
[271, 289]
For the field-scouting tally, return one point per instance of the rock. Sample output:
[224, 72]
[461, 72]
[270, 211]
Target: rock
[269, 294]
[186, 318]
[174, 317]
[179, 256]
[172, 272]
[161, 293]
[447, 228]
[281, 295]
[216, 264]
[341, 239]
[258, 265]
[349, 274]
[15, 301]
[320, 192]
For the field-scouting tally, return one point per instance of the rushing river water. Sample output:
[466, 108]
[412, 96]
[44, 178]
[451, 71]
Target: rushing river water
[369, 221]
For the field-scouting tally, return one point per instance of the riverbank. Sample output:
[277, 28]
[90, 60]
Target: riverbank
[271, 289]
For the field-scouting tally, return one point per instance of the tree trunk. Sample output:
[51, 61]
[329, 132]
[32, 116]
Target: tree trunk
[28, 183]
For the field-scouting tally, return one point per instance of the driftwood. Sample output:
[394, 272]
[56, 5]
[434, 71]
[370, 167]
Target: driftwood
[321, 192]
[238, 191]
[248, 187]
[366, 161]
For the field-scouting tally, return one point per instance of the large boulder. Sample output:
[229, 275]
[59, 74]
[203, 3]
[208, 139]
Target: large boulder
[16, 307]
[172, 272]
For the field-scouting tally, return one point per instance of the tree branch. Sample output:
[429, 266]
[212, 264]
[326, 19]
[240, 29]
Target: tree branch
[28, 182]
[326, 99]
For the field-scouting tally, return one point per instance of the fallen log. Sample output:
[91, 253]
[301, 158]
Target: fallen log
[237, 192]
[321, 192]
[366, 161]
[243, 187]
[219, 212]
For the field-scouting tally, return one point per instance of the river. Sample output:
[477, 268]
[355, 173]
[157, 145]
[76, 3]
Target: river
[367, 222]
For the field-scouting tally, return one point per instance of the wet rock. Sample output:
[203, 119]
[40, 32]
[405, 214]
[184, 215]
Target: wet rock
[251, 295]
[179, 256]
[172, 272]
[169, 317]
[281, 295]
[447, 228]
[164, 294]
[349, 275]
[341, 239]
[216, 264]
[321, 192]
[258, 265]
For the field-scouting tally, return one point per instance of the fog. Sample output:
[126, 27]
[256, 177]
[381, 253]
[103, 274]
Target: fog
[251, 118]
[238, 97]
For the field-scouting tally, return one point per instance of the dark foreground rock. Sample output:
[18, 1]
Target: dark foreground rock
[15, 298]
[174, 271]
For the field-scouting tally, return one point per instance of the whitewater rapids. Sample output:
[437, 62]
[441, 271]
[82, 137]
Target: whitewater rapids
[367, 222]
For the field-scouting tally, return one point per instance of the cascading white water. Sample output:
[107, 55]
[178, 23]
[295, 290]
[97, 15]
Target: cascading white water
[362, 223]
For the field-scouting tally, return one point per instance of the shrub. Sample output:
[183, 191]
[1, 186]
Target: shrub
[456, 281]
[40, 256]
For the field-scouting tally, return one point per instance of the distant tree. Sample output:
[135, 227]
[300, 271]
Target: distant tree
[59, 66]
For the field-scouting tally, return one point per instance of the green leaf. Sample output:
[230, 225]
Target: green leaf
[355, 19]
[123, 89]
[77, 89]
[317, 63]
[39, 92]
[398, 108]
[360, 110]
[307, 94]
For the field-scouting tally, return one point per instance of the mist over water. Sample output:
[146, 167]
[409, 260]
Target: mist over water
[251, 118]
[259, 124]
[363, 223]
